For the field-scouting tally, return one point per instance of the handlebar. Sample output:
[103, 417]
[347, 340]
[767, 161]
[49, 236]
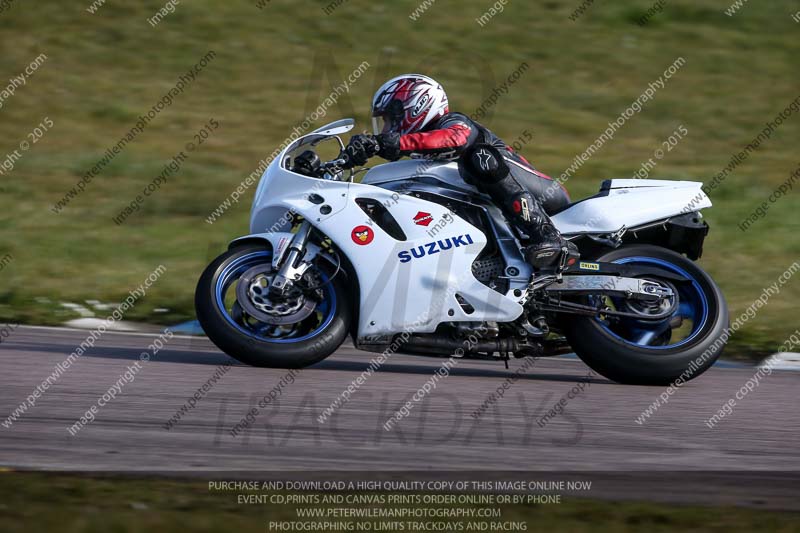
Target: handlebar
[341, 162]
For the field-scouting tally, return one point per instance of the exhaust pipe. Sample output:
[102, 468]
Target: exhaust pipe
[438, 345]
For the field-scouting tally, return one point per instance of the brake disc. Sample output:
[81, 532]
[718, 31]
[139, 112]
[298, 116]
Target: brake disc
[252, 293]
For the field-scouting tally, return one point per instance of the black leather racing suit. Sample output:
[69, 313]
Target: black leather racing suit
[525, 194]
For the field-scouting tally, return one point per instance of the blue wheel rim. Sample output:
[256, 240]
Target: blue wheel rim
[692, 305]
[237, 267]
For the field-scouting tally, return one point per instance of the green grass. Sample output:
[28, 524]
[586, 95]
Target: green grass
[275, 65]
[72, 504]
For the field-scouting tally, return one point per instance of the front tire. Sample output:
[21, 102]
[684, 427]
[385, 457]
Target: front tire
[628, 353]
[265, 345]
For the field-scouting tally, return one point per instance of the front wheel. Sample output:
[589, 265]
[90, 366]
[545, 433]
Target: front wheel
[238, 314]
[646, 352]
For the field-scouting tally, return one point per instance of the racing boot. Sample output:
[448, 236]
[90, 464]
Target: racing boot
[547, 249]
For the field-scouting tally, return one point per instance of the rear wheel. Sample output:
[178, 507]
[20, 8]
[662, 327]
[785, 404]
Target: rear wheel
[640, 351]
[238, 314]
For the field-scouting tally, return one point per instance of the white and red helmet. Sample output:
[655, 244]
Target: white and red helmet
[407, 103]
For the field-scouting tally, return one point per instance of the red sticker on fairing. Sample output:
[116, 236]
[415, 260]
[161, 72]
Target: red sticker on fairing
[362, 235]
[422, 218]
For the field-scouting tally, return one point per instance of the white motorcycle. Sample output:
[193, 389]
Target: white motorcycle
[415, 259]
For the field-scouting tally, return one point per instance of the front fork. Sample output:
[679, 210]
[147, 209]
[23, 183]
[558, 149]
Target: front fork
[292, 266]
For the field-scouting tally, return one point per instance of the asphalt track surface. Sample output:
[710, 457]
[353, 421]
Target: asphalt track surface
[751, 457]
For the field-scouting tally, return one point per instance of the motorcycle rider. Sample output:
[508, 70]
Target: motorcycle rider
[411, 117]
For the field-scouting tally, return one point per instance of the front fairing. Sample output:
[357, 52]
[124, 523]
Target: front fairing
[281, 191]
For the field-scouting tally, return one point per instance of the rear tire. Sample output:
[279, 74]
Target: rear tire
[251, 349]
[625, 362]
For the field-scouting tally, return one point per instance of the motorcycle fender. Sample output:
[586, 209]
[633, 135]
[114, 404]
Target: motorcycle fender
[279, 242]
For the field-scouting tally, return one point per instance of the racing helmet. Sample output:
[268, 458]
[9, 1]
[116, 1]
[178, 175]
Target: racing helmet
[406, 104]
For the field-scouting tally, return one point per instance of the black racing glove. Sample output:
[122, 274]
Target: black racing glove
[389, 145]
[360, 149]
